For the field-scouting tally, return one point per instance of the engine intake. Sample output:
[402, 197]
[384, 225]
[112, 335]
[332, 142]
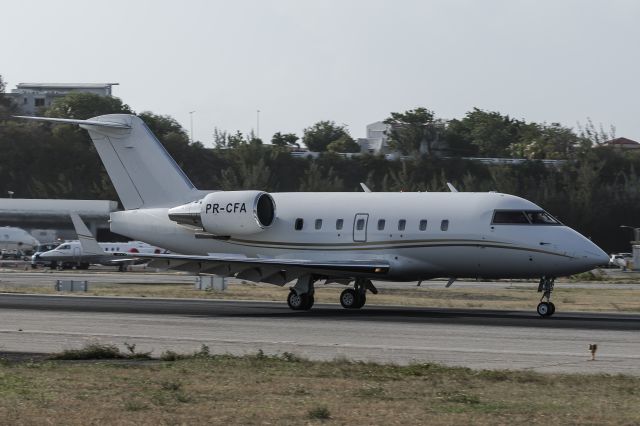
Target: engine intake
[228, 213]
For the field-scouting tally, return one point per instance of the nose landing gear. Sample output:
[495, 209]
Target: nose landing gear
[546, 308]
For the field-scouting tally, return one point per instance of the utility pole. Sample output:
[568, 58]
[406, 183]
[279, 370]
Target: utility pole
[258, 124]
[191, 117]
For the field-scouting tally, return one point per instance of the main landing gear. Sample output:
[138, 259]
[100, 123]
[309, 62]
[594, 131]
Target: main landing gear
[355, 298]
[301, 295]
[546, 308]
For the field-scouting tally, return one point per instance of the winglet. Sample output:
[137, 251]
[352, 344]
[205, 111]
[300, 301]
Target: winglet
[88, 243]
[365, 188]
[451, 187]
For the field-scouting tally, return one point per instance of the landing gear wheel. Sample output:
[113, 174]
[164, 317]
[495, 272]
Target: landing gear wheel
[352, 299]
[349, 299]
[309, 304]
[546, 309]
[297, 301]
[362, 299]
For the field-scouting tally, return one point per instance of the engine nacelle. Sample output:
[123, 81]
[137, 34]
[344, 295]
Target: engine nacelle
[228, 213]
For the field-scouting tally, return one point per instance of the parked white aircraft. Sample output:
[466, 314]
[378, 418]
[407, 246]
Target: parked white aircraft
[88, 251]
[12, 238]
[336, 237]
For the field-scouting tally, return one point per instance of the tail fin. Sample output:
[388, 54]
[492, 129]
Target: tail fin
[88, 243]
[142, 171]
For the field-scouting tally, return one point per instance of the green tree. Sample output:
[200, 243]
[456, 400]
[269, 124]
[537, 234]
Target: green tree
[220, 138]
[544, 141]
[318, 137]
[344, 144]
[490, 132]
[285, 139]
[7, 107]
[236, 140]
[82, 106]
[316, 179]
[414, 131]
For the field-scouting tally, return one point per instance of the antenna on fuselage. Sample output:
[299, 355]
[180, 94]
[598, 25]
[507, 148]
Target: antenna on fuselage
[365, 188]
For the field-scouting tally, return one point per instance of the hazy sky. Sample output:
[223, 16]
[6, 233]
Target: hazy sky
[302, 61]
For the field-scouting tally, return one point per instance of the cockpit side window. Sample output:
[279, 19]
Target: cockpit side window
[64, 247]
[541, 217]
[518, 217]
[509, 217]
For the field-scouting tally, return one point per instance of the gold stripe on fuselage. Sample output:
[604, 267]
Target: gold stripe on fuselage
[387, 245]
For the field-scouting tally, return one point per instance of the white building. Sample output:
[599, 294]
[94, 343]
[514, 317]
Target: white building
[29, 97]
[376, 140]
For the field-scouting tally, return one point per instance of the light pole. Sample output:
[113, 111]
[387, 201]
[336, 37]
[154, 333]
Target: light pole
[258, 124]
[191, 117]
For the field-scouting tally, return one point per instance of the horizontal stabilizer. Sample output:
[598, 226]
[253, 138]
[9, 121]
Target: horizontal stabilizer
[141, 170]
[80, 122]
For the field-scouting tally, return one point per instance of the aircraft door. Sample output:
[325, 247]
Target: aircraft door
[76, 253]
[360, 227]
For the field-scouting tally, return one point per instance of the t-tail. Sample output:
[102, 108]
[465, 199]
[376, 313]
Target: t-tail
[142, 171]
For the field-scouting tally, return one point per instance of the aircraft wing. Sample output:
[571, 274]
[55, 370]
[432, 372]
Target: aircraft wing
[270, 270]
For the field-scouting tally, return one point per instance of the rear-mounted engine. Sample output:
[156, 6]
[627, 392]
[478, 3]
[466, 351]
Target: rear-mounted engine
[228, 213]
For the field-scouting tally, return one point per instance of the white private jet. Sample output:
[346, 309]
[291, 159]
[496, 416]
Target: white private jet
[88, 251]
[336, 237]
[12, 238]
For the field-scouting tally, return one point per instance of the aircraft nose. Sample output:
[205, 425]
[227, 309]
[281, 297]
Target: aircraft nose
[595, 256]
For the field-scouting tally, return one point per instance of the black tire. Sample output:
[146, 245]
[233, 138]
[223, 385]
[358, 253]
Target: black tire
[362, 299]
[297, 301]
[349, 299]
[309, 304]
[543, 309]
[553, 308]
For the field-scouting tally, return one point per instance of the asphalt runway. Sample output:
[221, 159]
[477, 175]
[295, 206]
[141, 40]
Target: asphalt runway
[474, 338]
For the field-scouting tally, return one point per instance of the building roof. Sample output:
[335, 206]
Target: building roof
[66, 85]
[622, 142]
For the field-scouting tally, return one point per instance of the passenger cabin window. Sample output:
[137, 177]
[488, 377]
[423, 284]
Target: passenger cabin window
[402, 223]
[339, 224]
[318, 223]
[360, 224]
[444, 225]
[299, 224]
[423, 225]
[381, 224]
[519, 217]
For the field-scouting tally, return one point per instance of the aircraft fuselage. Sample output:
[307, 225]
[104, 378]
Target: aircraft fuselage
[421, 235]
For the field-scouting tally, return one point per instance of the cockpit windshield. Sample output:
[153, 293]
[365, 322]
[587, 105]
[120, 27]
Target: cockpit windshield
[520, 217]
[64, 247]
